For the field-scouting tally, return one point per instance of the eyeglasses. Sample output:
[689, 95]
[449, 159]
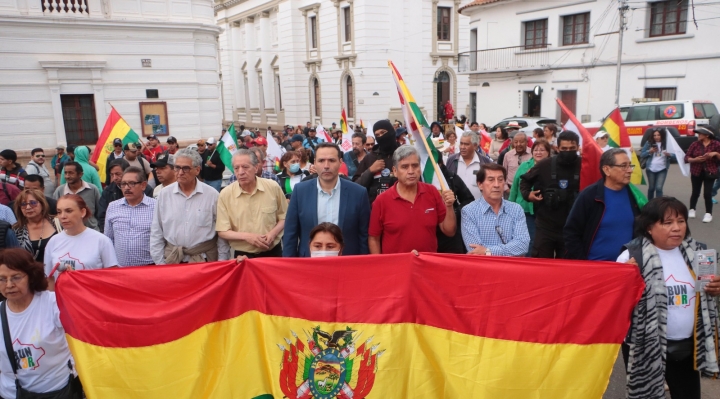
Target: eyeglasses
[626, 166]
[130, 184]
[39, 156]
[184, 169]
[14, 279]
[32, 204]
[499, 232]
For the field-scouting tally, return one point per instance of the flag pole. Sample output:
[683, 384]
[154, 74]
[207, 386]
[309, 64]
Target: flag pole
[438, 173]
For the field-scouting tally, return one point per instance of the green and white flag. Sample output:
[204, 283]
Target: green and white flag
[228, 146]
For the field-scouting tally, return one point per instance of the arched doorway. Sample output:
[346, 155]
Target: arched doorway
[443, 94]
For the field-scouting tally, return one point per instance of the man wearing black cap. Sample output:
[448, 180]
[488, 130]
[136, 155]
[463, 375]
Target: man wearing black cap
[374, 171]
[401, 135]
[296, 142]
[134, 159]
[436, 129]
[117, 153]
[165, 170]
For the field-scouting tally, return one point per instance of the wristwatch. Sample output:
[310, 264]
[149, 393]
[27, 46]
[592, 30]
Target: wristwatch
[487, 252]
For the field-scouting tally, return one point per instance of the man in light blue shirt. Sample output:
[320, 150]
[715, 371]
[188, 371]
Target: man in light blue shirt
[328, 203]
[491, 225]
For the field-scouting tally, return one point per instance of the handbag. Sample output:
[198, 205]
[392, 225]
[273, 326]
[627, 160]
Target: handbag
[73, 389]
[643, 162]
[680, 350]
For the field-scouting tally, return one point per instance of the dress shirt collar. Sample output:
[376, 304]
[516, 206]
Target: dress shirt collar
[145, 201]
[332, 192]
[198, 188]
[485, 207]
[259, 186]
[84, 186]
[476, 159]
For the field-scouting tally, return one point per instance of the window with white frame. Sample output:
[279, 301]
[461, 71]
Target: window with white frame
[443, 23]
[312, 25]
[349, 97]
[576, 29]
[347, 24]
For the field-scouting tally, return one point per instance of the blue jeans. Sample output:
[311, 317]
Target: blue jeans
[716, 187]
[216, 184]
[530, 220]
[656, 181]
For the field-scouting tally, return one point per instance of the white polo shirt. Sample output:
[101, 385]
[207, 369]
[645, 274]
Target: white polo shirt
[468, 174]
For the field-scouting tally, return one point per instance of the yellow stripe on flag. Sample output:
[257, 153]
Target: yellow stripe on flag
[637, 175]
[118, 131]
[220, 361]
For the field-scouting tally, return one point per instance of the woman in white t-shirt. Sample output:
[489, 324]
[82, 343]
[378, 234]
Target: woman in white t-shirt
[76, 247]
[43, 361]
[672, 316]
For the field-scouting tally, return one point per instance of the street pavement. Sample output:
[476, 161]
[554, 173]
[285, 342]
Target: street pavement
[677, 186]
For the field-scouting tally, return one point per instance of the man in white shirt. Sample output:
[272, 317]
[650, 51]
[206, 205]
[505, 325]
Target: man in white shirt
[36, 166]
[165, 170]
[183, 227]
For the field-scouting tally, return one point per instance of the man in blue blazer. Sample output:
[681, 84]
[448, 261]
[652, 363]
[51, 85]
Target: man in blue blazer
[327, 198]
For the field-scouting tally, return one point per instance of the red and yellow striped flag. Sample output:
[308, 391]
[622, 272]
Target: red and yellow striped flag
[386, 326]
[115, 128]
[614, 126]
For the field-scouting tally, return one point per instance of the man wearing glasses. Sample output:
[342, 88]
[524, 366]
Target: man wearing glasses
[183, 227]
[128, 220]
[492, 225]
[602, 219]
[36, 166]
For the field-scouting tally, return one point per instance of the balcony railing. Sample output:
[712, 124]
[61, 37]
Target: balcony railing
[77, 7]
[504, 59]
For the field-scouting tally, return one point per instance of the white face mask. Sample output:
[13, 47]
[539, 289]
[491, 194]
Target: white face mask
[323, 254]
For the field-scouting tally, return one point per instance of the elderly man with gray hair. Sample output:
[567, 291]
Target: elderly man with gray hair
[468, 161]
[404, 218]
[251, 212]
[183, 227]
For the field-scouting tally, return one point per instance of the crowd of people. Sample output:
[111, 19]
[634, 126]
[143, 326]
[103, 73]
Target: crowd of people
[166, 205]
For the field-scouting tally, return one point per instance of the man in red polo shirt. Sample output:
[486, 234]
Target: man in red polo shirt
[405, 216]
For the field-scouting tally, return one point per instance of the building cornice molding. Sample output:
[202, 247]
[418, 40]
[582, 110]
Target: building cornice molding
[269, 7]
[73, 64]
[104, 23]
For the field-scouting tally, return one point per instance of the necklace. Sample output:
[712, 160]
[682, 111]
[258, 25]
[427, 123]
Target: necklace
[42, 230]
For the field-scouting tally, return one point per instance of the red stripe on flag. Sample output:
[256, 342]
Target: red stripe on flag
[591, 153]
[528, 300]
[616, 117]
[112, 119]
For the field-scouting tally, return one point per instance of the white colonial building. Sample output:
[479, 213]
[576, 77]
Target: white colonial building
[570, 50]
[297, 61]
[63, 63]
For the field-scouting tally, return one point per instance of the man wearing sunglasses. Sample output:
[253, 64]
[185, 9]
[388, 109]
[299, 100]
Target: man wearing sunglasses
[36, 166]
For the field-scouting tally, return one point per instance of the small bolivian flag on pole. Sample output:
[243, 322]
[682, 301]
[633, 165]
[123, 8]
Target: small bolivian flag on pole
[415, 122]
[115, 128]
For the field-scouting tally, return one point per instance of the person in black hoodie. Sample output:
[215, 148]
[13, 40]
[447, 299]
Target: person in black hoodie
[375, 171]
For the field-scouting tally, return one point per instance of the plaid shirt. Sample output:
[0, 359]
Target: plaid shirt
[504, 234]
[698, 149]
[128, 227]
[268, 166]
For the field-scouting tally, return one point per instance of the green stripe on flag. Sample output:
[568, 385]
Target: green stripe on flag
[429, 169]
[227, 147]
[640, 198]
[418, 115]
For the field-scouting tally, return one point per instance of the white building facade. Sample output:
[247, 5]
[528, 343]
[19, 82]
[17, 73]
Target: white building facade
[570, 50]
[64, 63]
[288, 62]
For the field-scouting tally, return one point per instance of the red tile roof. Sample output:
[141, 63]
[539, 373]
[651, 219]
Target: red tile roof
[477, 3]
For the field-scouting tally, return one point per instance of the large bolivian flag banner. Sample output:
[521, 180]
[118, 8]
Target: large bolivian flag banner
[392, 326]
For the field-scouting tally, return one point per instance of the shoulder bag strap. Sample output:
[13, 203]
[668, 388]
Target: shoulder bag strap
[8, 342]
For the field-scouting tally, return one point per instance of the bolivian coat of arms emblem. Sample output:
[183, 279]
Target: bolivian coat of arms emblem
[328, 365]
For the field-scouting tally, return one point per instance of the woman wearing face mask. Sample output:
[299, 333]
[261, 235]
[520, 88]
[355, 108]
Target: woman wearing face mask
[292, 174]
[326, 240]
